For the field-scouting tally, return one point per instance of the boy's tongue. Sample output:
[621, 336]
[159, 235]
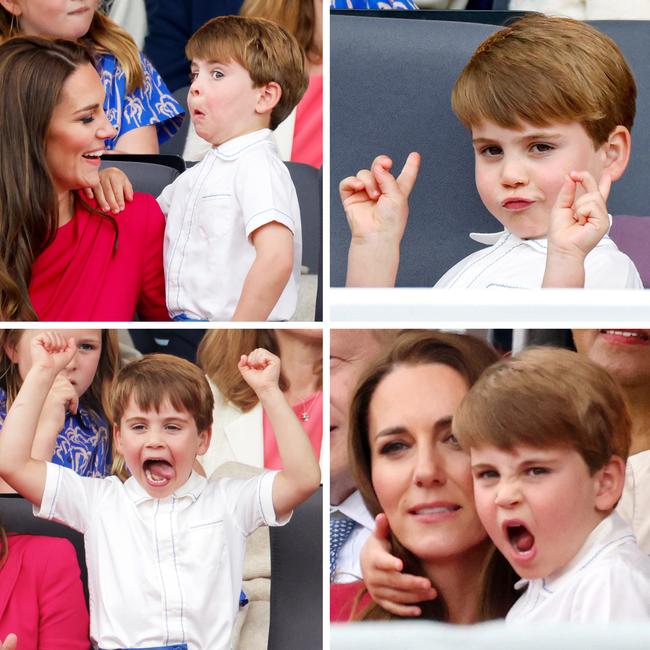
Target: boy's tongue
[524, 541]
[160, 470]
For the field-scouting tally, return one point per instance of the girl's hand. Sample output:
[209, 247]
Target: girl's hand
[375, 202]
[61, 399]
[10, 643]
[391, 589]
[260, 370]
[113, 190]
[52, 351]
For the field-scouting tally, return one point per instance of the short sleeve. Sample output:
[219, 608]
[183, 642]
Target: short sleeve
[250, 501]
[151, 104]
[264, 190]
[609, 268]
[69, 498]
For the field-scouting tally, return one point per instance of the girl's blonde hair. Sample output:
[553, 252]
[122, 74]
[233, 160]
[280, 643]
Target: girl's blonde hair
[297, 16]
[97, 397]
[104, 36]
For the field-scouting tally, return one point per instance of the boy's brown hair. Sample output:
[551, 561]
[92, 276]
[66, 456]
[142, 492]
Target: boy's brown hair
[267, 51]
[156, 377]
[542, 69]
[547, 397]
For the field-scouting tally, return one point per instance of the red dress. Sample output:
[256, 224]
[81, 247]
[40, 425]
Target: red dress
[41, 597]
[308, 129]
[78, 277]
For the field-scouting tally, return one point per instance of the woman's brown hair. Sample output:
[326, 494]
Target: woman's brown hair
[33, 72]
[104, 36]
[469, 356]
[296, 16]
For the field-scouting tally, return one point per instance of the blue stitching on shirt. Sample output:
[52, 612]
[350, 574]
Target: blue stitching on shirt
[162, 580]
[600, 550]
[493, 262]
[178, 580]
[488, 253]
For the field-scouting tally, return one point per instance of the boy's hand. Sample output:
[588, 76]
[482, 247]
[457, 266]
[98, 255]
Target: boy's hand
[61, 399]
[52, 351]
[261, 370]
[375, 202]
[396, 592]
[578, 224]
[113, 190]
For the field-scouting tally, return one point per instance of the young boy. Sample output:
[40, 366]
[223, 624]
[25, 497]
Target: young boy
[550, 103]
[548, 434]
[165, 549]
[233, 241]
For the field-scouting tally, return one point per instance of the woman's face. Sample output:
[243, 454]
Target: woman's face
[421, 476]
[78, 128]
[69, 19]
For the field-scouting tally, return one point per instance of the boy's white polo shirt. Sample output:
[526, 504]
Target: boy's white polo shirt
[607, 580]
[212, 209]
[161, 571]
[514, 263]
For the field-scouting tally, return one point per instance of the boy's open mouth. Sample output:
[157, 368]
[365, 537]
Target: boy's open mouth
[158, 472]
[520, 538]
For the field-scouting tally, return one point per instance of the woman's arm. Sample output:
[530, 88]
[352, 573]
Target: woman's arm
[300, 475]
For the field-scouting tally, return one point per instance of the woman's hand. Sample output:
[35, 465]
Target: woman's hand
[52, 351]
[113, 189]
[10, 643]
[260, 370]
[376, 206]
[382, 573]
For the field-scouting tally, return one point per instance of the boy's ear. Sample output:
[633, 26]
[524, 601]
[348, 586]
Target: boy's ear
[117, 436]
[617, 151]
[204, 436]
[610, 480]
[268, 97]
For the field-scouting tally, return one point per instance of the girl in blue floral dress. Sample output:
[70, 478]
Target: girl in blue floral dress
[73, 430]
[138, 103]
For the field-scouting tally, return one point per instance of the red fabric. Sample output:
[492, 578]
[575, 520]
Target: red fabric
[41, 596]
[78, 278]
[313, 428]
[343, 598]
[308, 130]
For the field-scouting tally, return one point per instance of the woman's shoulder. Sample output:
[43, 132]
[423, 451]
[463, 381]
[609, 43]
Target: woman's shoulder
[143, 212]
[41, 550]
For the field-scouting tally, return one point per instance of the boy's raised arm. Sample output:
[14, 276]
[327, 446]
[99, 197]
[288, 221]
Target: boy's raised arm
[376, 206]
[51, 352]
[300, 475]
[576, 226]
[269, 273]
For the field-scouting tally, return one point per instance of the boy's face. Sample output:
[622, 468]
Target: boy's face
[159, 447]
[222, 100]
[519, 172]
[537, 505]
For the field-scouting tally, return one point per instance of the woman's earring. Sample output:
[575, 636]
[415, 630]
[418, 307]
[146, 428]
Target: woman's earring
[12, 24]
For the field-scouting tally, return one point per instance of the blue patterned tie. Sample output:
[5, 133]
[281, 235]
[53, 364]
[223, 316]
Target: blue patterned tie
[340, 529]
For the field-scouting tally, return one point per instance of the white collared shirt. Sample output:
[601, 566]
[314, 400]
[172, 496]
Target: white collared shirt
[161, 571]
[514, 263]
[634, 505]
[348, 567]
[608, 580]
[212, 209]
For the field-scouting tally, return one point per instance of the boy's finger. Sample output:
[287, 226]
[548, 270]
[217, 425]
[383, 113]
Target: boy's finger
[100, 198]
[404, 611]
[384, 161]
[117, 190]
[605, 185]
[128, 190]
[585, 179]
[567, 194]
[369, 183]
[88, 191]
[349, 186]
[406, 179]
[386, 181]
[382, 527]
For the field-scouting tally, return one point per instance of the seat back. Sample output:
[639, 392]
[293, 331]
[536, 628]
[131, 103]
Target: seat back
[176, 143]
[297, 579]
[148, 174]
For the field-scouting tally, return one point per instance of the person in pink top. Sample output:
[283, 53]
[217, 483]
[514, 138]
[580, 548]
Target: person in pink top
[41, 596]
[61, 258]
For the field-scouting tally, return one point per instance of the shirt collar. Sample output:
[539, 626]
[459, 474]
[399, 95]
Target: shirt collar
[354, 508]
[540, 243]
[234, 148]
[191, 489]
[611, 530]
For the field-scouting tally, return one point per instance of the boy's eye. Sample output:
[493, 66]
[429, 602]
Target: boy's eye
[537, 471]
[541, 147]
[216, 74]
[193, 76]
[173, 427]
[491, 150]
[137, 427]
[487, 474]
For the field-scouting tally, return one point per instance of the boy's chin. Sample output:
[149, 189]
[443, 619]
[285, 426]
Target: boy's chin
[523, 230]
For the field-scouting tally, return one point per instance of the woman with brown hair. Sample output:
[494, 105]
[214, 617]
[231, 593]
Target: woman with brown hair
[138, 103]
[241, 431]
[60, 257]
[409, 466]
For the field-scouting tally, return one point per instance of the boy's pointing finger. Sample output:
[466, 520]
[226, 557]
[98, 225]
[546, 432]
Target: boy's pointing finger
[406, 180]
[605, 185]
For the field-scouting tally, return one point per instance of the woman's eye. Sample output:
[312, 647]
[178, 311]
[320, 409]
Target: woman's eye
[393, 447]
[541, 147]
[87, 346]
[87, 119]
[451, 439]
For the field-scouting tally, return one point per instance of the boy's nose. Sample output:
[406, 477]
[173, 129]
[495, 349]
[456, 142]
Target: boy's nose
[513, 174]
[507, 495]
